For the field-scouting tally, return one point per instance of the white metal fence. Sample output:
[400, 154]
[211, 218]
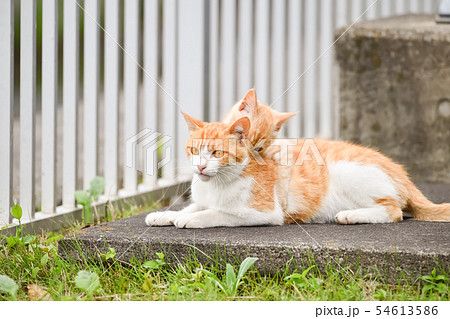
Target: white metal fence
[141, 62]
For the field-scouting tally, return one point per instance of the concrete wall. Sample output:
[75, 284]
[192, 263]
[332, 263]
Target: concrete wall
[395, 91]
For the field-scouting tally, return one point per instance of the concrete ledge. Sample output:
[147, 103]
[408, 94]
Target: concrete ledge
[408, 249]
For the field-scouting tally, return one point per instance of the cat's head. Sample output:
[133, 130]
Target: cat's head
[217, 151]
[265, 121]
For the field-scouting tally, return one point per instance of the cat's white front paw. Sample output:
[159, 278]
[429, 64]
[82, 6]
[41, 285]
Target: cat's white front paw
[164, 218]
[345, 217]
[190, 221]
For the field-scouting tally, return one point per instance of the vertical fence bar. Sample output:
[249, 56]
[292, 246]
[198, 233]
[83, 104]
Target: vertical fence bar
[91, 86]
[151, 26]
[213, 94]
[278, 55]
[49, 103]
[356, 10]
[326, 65]
[427, 6]
[27, 105]
[70, 102]
[228, 56]
[245, 47]
[407, 5]
[386, 8]
[435, 6]
[191, 69]
[430, 6]
[421, 6]
[309, 79]
[262, 50]
[342, 17]
[131, 85]
[111, 157]
[400, 7]
[295, 34]
[373, 12]
[7, 98]
[170, 83]
[414, 6]
[378, 9]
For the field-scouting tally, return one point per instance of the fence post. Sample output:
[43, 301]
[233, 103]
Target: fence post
[294, 60]
[91, 86]
[131, 86]
[27, 106]
[228, 56]
[278, 57]
[70, 102]
[326, 66]
[191, 70]
[214, 70]
[245, 74]
[111, 157]
[170, 82]
[262, 50]
[310, 67]
[151, 89]
[49, 103]
[7, 109]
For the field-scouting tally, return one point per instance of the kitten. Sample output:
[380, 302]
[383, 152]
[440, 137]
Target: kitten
[346, 183]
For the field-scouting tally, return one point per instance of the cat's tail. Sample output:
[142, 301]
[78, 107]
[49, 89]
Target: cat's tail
[423, 209]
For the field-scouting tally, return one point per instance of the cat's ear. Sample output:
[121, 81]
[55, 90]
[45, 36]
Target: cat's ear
[247, 106]
[280, 118]
[240, 127]
[192, 123]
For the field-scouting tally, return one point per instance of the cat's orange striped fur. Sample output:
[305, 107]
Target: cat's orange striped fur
[410, 199]
[349, 183]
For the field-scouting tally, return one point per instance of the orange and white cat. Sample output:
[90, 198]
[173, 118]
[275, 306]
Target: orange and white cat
[350, 184]
[224, 187]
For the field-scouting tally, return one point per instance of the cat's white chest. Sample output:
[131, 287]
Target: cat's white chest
[225, 197]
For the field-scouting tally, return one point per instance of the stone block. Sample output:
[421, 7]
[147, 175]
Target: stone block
[394, 91]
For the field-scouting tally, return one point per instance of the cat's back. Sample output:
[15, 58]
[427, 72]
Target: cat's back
[333, 151]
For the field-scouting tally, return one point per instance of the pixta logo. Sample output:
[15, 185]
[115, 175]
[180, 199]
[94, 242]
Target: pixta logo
[154, 148]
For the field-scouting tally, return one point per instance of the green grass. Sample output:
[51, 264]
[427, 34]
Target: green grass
[41, 273]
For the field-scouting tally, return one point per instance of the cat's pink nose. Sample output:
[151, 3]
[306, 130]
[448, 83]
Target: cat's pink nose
[201, 167]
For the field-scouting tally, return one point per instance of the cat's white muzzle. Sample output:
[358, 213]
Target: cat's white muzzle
[204, 165]
[204, 177]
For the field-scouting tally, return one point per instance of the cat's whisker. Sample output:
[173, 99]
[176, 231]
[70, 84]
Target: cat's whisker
[227, 176]
[219, 179]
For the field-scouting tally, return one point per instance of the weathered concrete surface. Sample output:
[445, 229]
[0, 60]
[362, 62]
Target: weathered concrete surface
[410, 246]
[394, 91]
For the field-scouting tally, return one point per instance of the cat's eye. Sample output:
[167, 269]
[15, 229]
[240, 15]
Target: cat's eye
[194, 151]
[217, 154]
